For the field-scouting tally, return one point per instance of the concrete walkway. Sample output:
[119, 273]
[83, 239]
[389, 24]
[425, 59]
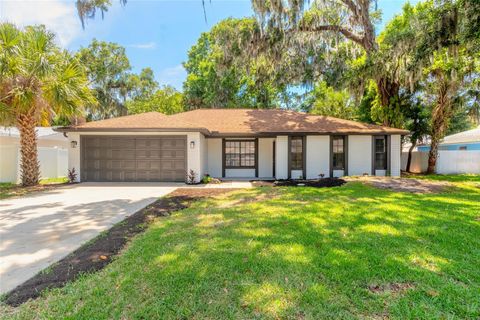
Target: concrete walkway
[39, 229]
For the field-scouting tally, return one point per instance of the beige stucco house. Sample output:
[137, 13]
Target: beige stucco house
[231, 143]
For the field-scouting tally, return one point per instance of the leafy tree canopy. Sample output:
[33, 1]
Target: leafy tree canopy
[216, 80]
[166, 100]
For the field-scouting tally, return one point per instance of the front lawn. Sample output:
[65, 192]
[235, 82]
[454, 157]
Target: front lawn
[8, 189]
[291, 252]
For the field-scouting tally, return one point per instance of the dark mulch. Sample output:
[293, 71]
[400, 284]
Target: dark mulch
[98, 253]
[317, 183]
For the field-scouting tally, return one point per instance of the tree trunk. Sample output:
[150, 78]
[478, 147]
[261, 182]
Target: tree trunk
[432, 155]
[387, 90]
[30, 168]
[440, 117]
[409, 159]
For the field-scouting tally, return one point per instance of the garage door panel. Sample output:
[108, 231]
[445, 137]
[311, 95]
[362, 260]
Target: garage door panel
[148, 143]
[122, 154]
[148, 154]
[121, 143]
[134, 158]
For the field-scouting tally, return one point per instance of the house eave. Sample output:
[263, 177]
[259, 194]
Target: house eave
[73, 129]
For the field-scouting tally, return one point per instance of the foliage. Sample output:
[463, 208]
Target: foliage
[141, 86]
[107, 67]
[215, 80]
[424, 45]
[166, 100]
[206, 179]
[285, 253]
[87, 9]
[364, 110]
[72, 175]
[38, 81]
[191, 177]
[325, 100]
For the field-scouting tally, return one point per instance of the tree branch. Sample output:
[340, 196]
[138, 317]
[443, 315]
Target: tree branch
[346, 32]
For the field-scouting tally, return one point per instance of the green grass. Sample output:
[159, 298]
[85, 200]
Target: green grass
[291, 253]
[6, 189]
[54, 180]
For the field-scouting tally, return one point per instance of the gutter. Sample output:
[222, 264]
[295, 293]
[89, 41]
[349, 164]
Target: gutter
[73, 129]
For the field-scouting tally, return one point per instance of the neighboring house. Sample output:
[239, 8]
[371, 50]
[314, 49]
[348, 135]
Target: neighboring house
[457, 154]
[230, 143]
[52, 153]
[463, 141]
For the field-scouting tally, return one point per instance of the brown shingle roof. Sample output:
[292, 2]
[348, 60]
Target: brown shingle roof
[239, 122]
[274, 121]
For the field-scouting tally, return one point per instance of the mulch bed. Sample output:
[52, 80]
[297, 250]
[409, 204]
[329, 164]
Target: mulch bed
[98, 253]
[317, 183]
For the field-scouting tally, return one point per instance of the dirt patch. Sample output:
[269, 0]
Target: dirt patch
[404, 184]
[317, 183]
[394, 287]
[98, 253]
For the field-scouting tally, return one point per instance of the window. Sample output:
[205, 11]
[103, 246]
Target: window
[296, 153]
[380, 153]
[240, 154]
[338, 149]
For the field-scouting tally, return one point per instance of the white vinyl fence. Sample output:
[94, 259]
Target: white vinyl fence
[53, 162]
[448, 162]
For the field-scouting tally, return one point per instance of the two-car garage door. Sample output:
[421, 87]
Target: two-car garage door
[133, 158]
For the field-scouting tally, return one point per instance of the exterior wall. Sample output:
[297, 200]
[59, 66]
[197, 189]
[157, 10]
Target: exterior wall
[395, 155]
[239, 173]
[74, 154]
[471, 146]
[265, 157]
[214, 157]
[359, 155]
[203, 155]
[318, 156]
[194, 156]
[281, 157]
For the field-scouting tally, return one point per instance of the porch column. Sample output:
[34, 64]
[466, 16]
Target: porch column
[281, 157]
[395, 155]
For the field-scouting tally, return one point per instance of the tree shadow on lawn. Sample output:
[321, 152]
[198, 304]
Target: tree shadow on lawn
[304, 253]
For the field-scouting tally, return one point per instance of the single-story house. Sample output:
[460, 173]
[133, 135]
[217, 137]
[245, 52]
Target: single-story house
[231, 143]
[52, 153]
[463, 141]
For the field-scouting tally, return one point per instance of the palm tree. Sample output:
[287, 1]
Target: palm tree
[37, 81]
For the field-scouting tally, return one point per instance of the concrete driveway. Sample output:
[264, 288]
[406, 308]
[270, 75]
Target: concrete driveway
[39, 229]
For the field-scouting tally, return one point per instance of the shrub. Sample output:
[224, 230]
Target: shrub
[191, 177]
[206, 178]
[72, 175]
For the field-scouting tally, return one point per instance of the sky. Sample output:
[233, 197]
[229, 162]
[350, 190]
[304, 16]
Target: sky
[155, 33]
